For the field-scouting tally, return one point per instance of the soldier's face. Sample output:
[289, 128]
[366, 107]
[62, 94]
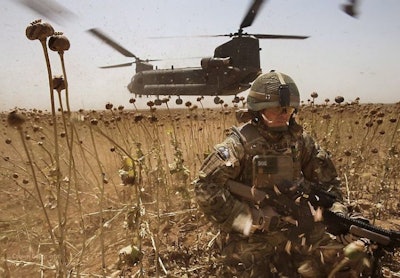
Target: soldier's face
[277, 116]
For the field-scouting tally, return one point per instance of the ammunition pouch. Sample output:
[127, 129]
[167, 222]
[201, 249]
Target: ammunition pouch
[269, 170]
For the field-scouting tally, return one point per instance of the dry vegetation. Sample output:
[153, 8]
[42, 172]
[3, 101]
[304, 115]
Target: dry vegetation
[108, 193]
[95, 215]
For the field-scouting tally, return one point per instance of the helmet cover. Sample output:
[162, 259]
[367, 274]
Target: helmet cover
[273, 89]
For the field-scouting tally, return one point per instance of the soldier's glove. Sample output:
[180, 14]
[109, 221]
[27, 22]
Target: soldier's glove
[358, 216]
[243, 223]
[339, 208]
[357, 249]
[342, 209]
[249, 223]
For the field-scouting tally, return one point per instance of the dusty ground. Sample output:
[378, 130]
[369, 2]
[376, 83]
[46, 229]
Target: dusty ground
[158, 214]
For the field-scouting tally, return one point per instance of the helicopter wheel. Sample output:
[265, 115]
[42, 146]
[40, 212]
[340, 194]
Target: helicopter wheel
[236, 99]
[157, 102]
[216, 100]
[178, 101]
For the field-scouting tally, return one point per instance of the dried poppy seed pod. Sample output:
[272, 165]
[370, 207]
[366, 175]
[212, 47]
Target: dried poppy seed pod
[58, 83]
[138, 117]
[314, 94]
[339, 99]
[39, 30]
[109, 106]
[59, 42]
[15, 119]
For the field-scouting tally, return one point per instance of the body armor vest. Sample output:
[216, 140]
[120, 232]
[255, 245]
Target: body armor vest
[269, 162]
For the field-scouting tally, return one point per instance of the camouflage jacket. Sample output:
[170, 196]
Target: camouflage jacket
[295, 157]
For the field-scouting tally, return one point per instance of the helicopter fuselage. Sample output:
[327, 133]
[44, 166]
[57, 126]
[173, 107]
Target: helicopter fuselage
[235, 64]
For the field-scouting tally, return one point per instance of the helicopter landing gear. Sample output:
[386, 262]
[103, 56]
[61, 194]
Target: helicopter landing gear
[217, 100]
[157, 102]
[178, 101]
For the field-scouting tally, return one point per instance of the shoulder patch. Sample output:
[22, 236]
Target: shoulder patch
[223, 152]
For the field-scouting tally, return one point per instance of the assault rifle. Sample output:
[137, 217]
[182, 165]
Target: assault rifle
[337, 224]
[386, 241]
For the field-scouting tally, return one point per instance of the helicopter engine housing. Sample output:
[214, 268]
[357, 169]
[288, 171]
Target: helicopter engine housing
[212, 63]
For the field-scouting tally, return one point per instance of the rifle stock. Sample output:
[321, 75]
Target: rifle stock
[246, 192]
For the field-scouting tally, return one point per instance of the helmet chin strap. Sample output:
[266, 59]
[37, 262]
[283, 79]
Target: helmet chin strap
[264, 121]
[274, 128]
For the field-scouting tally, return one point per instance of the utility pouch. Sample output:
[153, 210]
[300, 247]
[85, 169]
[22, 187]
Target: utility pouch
[270, 170]
[266, 218]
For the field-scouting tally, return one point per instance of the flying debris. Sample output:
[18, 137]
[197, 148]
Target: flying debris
[350, 8]
[49, 9]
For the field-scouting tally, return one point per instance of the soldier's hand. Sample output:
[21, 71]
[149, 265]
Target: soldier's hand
[358, 216]
[339, 208]
[243, 223]
[247, 224]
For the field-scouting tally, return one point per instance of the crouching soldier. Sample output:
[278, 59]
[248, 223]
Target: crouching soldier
[277, 233]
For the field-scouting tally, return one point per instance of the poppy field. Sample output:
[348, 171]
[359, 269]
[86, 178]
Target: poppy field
[108, 193]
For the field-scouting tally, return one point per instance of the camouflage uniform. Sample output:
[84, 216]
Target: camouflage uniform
[259, 157]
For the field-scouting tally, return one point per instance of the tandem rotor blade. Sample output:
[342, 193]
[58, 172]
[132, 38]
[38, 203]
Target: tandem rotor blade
[247, 21]
[258, 36]
[270, 36]
[100, 35]
[350, 8]
[49, 9]
[130, 63]
[251, 14]
[118, 66]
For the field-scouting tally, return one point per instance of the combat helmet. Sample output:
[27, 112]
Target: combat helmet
[273, 89]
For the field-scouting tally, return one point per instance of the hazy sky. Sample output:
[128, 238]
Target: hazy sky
[353, 57]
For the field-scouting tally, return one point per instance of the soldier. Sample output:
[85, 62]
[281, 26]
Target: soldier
[271, 152]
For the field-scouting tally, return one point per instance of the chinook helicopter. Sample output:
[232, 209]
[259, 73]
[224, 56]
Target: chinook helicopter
[233, 67]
